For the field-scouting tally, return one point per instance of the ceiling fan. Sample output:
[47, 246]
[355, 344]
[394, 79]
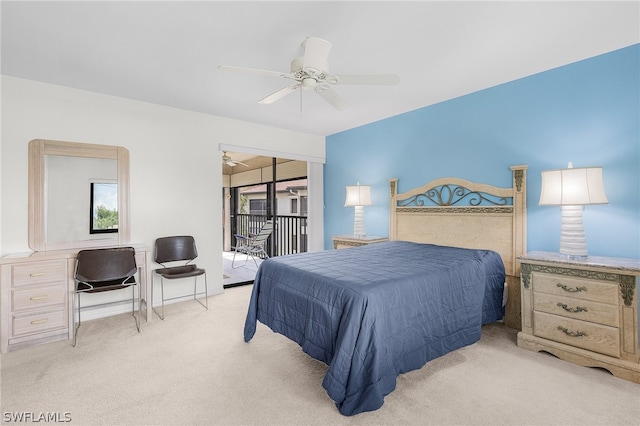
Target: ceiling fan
[229, 162]
[311, 72]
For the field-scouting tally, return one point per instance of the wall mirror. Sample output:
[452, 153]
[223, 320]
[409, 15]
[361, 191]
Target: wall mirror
[63, 204]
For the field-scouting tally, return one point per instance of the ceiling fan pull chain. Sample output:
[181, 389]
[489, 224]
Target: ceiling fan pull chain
[301, 90]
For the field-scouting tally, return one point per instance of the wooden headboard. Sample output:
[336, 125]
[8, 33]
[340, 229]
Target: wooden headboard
[460, 213]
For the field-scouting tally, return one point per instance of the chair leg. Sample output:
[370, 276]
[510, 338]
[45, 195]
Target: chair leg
[233, 261]
[258, 252]
[161, 316]
[133, 312]
[76, 327]
[206, 292]
[195, 297]
[140, 304]
[133, 306]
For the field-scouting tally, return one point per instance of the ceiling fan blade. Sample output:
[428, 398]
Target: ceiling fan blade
[365, 79]
[279, 94]
[331, 96]
[233, 163]
[252, 71]
[316, 52]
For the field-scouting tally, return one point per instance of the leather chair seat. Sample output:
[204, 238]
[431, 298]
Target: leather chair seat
[184, 271]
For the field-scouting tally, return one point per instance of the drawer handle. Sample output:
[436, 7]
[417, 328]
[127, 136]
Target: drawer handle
[40, 321]
[571, 333]
[572, 290]
[576, 309]
[35, 298]
[38, 274]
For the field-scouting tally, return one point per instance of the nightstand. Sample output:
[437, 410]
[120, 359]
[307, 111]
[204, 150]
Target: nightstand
[346, 241]
[582, 311]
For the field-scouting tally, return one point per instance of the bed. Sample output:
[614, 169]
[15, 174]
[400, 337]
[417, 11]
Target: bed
[377, 311]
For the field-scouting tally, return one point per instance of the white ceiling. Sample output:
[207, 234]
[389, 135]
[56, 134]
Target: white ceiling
[168, 52]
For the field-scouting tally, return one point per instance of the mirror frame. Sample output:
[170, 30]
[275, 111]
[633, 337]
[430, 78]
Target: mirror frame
[38, 148]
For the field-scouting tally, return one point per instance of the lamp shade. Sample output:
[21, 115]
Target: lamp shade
[571, 187]
[358, 195]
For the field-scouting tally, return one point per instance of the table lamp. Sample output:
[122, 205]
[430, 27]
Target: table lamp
[572, 188]
[358, 196]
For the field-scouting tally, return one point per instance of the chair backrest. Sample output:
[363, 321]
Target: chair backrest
[178, 248]
[105, 264]
[264, 233]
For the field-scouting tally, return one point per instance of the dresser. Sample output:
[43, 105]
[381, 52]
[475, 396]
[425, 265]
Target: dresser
[36, 296]
[582, 311]
[346, 241]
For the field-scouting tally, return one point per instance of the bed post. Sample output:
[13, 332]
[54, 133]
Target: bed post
[519, 214]
[393, 191]
[513, 308]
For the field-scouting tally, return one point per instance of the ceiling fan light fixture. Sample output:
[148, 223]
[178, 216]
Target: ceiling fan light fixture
[309, 82]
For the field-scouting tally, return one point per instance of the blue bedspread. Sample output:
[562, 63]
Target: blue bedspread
[374, 312]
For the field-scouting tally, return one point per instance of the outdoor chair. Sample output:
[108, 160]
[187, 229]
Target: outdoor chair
[180, 249]
[253, 245]
[108, 269]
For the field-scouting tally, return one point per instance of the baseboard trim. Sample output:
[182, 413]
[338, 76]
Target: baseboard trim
[237, 284]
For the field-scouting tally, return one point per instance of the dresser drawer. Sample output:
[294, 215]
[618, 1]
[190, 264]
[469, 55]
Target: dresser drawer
[38, 297]
[52, 271]
[37, 323]
[585, 289]
[571, 307]
[582, 334]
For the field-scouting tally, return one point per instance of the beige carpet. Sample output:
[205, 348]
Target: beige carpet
[195, 369]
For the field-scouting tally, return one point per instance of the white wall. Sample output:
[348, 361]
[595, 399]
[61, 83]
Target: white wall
[315, 206]
[176, 172]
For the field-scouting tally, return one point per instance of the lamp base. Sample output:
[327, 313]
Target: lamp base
[358, 223]
[573, 242]
[576, 257]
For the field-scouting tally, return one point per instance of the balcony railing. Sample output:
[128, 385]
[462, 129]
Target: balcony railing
[289, 233]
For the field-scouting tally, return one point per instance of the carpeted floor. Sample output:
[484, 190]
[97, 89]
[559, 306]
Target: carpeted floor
[195, 369]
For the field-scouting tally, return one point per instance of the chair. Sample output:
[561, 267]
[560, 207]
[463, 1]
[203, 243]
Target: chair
[108, 269]
[178, 249]
[252, 244]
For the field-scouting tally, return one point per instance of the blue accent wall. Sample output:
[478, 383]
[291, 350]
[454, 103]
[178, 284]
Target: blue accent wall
[587, 112]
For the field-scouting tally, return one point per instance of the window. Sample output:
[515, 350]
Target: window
[294, 205]
[258, 207]
[103, 216]
[303, 205]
